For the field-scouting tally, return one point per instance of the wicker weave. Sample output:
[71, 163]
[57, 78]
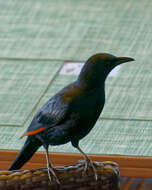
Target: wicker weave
[71, 177]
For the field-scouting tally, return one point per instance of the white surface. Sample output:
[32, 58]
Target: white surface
[74, 68]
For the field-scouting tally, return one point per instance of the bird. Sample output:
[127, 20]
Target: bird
[71, 113]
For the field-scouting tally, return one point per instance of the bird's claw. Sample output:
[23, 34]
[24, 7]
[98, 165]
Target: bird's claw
[51, 171]
[86, 166]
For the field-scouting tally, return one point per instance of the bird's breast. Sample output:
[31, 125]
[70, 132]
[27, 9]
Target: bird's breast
[86, 112]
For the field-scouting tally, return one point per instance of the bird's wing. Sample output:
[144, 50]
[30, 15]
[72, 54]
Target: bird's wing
[55, 110]
[51, 114]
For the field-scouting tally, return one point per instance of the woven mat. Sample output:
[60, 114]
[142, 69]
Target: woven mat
[70, 177]
[74, 29]
[22, 85]
[37, 37]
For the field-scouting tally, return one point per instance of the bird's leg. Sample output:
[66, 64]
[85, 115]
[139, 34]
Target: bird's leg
[87, 163]
[49, 164]
[50, 167]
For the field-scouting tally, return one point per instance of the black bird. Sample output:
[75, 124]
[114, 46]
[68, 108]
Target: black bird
[71, 113]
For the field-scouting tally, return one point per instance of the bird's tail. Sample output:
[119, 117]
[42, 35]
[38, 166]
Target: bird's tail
[29, 148]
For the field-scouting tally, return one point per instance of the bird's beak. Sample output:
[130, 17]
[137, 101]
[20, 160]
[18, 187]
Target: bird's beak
[120, 60]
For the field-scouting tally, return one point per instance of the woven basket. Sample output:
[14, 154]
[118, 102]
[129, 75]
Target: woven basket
[71, 177]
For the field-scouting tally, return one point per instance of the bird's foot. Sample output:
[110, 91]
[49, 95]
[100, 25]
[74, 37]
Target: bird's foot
[88, 163]
[51, 171]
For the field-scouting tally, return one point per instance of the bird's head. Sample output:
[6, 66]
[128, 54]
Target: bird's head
[98, 66]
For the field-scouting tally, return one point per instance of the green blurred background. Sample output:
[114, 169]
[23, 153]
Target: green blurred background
[38, 37]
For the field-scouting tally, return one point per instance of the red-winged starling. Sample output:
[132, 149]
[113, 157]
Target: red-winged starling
[70, 114]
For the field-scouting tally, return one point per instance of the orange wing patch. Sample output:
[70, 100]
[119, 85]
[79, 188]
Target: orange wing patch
[34, 132]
